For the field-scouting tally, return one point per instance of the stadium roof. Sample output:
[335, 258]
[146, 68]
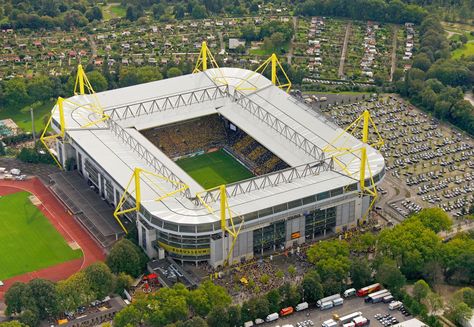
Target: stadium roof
[288, 128]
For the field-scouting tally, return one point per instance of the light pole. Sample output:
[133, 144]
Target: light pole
[33, 126]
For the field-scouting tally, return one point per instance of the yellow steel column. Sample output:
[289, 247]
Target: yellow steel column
[363, 160]
[80, 76]
[204, 55]
[223, 207]
[274, 68]
[61, 115]
[138, 194]
[365, 130]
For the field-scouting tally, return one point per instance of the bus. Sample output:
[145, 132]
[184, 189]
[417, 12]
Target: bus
[369, 289]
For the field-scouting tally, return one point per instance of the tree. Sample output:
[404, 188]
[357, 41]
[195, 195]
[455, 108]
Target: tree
[94, 13]
[98, 81]
[173, 72]
[458, 259]
[125, 257]
[435, 219]
[123, 282]
[234, 317]
[194, 322]
[421, 61]
[361, 273]
[465, 295]
[274, 299]
[331, 259]
[18, 298]
[29, 317]
[179, 11]
[218, 317]
[292, 270]
[13, 323]
[15, 92]
[199, 12]
[311, 286]
[45, 297]
[421, 290]
[158, 10]
[129, 316]
[74, 292]
[289, 295]
[40, 88]
[461, 312]
[100, 279]
[390, 276]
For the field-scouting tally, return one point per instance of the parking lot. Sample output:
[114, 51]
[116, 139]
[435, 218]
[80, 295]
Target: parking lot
[350, 305]
[429, 164]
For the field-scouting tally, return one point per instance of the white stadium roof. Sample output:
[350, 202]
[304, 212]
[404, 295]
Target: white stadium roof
[288, 128]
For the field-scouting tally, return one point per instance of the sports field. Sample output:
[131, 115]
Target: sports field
[28, 241]
[214, 169]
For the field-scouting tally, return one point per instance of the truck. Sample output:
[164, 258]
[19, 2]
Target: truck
[349, 292]
[302, 306]
[326, 305]
[248, 324]
[377, 298]
[361, 321]
[339, 301]
[272, 317]
[388, 299]
[395, 305]
[327, 299]
[368, 289]
[348, 318]
[329, 323]
[349, 324]
[286, 311]
[259, 321]
[370, 297]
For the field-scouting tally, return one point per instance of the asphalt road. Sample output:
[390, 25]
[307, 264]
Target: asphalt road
[350, 305]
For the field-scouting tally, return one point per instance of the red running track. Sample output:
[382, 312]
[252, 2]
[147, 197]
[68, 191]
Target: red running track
[65, 224]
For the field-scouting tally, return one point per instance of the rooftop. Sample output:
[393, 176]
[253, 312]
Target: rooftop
[288, 128]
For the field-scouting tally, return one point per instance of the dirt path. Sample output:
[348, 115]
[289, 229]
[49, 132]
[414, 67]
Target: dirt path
[289, 56]
[93, 49]
[64, 223]
[469, 96]
[340, 72]
[394, 53]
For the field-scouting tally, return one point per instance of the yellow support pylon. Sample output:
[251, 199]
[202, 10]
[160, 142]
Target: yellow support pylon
[225, 214]
[204, 55]
[136, 179]
[339, 150]
[274, 65]
[43, 138]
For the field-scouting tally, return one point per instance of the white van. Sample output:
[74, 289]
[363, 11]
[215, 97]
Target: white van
[272, 317]
[329, 323]
[248, 324]
[337, 302]
[350, 292]
[259, 321]
[395, 305]
[302, 306]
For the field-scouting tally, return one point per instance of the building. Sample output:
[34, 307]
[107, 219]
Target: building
[411, 323]
[235, 43]
[303, 195]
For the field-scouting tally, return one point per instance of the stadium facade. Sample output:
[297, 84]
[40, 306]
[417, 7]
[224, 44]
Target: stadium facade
[312, 195]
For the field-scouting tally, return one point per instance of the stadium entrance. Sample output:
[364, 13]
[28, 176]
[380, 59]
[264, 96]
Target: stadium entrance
[269, 239]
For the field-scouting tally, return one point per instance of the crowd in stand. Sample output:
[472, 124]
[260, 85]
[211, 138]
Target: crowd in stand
[184, 138]
[205, 133]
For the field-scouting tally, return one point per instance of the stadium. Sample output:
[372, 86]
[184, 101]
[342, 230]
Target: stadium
[217, 166]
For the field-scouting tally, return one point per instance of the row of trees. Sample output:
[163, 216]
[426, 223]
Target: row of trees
[40, 299]
[436, 82]
[394, 11]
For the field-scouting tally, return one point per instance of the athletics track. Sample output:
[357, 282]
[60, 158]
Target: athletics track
[64, 223]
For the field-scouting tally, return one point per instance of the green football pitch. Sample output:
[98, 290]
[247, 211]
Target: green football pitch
[214, 169]
[28, 241]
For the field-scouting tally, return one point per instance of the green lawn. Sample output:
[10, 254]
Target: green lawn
[466, 50]
[113, 10]
[28, 241]
[22, 116]
[214, 169]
